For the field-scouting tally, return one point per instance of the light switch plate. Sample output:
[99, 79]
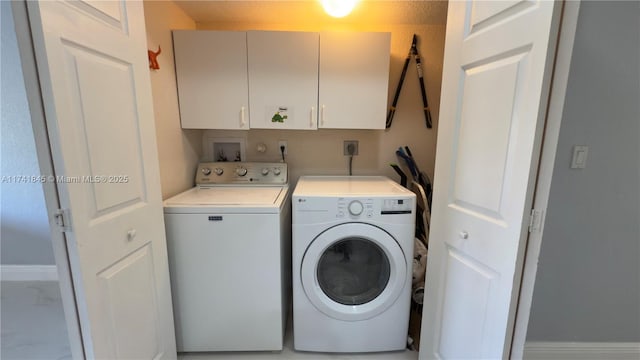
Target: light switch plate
[579, 159]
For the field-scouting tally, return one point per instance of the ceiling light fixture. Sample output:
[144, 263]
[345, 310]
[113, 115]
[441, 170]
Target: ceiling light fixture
[338, 8]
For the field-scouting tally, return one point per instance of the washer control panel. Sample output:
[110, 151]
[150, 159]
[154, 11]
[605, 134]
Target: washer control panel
[254, 173]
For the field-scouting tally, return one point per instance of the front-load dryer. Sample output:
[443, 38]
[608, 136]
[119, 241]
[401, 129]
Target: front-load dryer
[352, 251]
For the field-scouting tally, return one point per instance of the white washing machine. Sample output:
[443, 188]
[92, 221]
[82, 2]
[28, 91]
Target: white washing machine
[352, 254]
[229, 246]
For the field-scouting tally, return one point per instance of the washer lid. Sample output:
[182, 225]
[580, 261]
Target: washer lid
[228, 195]
[348, 185]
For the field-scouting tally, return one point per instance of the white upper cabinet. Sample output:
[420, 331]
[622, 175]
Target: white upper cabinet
[354, 80]
[283, 79]
[211, 70]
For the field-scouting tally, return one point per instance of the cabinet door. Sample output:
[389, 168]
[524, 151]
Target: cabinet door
[211, 70]
[283, 73]
[354, 80]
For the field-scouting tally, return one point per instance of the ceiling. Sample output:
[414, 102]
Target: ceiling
[432, 12]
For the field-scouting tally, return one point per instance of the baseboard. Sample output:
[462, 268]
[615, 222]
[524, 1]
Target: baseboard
[29, 272]
[581, 351]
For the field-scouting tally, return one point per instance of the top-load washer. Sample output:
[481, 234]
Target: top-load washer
[352, 254]
[229, 246]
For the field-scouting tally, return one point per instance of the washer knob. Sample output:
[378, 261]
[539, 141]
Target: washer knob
[265, 172]
[241, 171]
[276, 171]
[206, 171]
[218, 171]
[355, 208]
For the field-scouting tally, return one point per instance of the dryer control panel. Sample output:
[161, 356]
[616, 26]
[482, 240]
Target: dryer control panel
[369, 207]
[325, 200]
[355, 207]
[233, 173]
[396, 206]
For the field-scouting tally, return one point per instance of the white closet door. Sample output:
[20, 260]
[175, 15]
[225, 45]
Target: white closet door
[497, 71]
[94, 75]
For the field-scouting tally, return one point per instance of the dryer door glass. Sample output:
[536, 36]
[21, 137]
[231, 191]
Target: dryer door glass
[353, 271]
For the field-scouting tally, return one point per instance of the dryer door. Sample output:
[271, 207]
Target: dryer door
[353, 271]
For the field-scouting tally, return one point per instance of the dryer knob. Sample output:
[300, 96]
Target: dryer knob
[241, 171]
[265, 171]
[206, 171]
[218, 171]
[355, 208]
[276, 171]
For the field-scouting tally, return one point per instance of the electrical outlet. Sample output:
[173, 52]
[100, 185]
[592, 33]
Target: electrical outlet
[350, 147]
[282, 143]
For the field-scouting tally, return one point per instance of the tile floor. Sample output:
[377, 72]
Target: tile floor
[32, 324]
[289, 353]
[32, 321]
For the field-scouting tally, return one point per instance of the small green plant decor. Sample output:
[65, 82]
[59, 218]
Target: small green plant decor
[280, 116]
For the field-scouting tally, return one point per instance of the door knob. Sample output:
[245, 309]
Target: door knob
[131, 234]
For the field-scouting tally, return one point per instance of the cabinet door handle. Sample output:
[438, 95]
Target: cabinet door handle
[322, 115]
[242, 122]
[312, 117]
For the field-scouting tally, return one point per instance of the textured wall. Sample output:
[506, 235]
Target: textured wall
[24, 236]
[178, 150]
[588, 281]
